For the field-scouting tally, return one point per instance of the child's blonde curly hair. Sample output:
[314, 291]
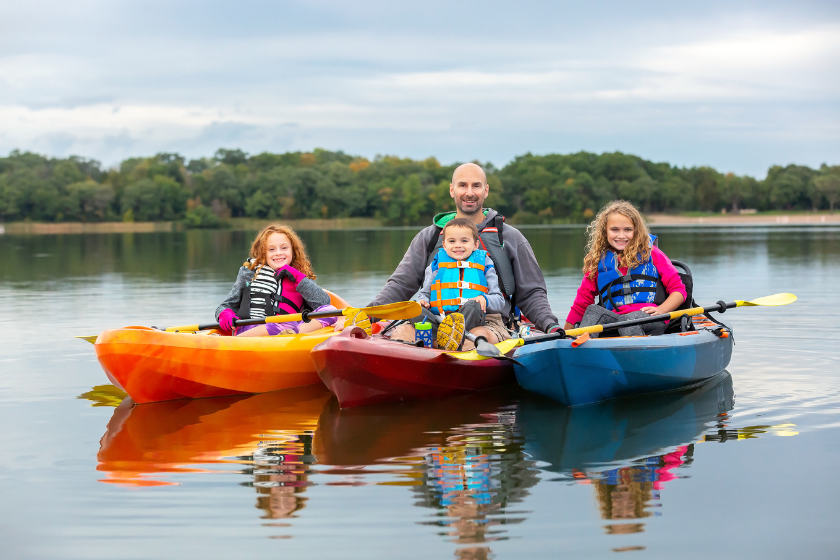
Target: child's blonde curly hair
[636, 252]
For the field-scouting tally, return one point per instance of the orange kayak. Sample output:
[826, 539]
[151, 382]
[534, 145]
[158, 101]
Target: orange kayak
[152, 365]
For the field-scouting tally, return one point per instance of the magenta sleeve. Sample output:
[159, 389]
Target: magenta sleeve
[584, 298]
[668, 272]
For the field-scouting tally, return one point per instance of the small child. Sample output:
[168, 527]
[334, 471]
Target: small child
[277, 279]
[460, 285]
[631, 276]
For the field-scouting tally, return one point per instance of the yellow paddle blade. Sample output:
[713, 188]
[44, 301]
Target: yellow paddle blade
[104, 395]
[90, 338]
[394, 311]
[504, 347]
[772, 301]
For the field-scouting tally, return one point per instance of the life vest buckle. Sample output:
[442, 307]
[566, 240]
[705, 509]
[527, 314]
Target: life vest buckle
[460, 284]
[462, 264]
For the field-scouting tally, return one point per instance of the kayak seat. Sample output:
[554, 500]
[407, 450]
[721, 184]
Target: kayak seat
[683, 324]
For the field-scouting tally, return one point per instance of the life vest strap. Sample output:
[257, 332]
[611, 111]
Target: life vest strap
[460, 285]
[441, 303]
[627, 291]
[625, 280]
[461, 264]
[280, 298]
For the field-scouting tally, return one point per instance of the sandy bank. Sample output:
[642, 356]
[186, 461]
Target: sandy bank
[745, 220]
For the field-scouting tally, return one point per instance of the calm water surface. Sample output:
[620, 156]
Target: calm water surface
[500, 474]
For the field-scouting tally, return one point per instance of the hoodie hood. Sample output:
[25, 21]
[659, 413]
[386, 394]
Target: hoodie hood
[443, 218]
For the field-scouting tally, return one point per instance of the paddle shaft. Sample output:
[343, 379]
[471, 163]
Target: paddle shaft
[305, 317]
[719, 307]
[387, 311]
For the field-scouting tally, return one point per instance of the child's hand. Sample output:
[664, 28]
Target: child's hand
[291, 272]
[339, 324]
[423, 303]
[482, 302]
[652, 310]
[226, 319]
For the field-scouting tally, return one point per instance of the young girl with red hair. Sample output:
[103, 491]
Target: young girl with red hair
[277, 279]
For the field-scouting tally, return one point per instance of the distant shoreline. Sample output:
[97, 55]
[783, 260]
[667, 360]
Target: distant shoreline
[236, 224]
[768, 219]
[250, 224]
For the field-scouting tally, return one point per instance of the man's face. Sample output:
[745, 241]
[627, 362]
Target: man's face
[469, 189]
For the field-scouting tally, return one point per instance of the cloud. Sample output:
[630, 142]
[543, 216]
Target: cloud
[458, 81]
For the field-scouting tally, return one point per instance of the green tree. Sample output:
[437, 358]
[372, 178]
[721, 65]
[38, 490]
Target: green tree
[828, 184]
[734, 189]
[788, 186]
[88, 201]
[161, 198]
[11, 199]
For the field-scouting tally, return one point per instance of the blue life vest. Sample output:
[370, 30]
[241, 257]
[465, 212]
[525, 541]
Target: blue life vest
[457, 281]
[639, 285]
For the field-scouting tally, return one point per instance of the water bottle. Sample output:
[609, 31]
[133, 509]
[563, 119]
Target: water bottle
[423, 333]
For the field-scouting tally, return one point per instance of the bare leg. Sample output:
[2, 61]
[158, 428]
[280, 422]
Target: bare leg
[480, 331]
[311, 326]
[404, 332]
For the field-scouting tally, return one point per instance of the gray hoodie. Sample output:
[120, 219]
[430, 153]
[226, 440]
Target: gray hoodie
[531, 294]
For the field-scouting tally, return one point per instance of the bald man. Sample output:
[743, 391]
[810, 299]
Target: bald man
[520, 277]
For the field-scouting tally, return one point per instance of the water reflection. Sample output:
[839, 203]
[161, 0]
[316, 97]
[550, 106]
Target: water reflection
[462, 458]
[281, 471]
[626, 449]
[183, 256]
[468, 462]
[267, 436]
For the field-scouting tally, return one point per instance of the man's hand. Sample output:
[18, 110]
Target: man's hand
[482, 301]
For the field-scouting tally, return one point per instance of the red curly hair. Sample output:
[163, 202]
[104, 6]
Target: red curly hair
[259, 248]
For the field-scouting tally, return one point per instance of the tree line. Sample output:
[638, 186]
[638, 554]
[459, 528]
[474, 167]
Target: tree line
[550, 188]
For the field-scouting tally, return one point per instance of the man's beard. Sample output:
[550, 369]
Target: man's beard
[478, 208]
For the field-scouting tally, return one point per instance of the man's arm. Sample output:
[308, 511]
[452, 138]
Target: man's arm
[408, 277]
[531, 293]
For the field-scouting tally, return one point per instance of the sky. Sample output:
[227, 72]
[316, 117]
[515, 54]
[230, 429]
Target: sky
[739, 86]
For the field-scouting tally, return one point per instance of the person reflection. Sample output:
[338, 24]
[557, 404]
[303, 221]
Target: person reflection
[628, 493]
[281, 474]
[471, 480]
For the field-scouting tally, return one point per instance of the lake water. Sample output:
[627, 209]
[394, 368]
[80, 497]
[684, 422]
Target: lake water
[745, 467]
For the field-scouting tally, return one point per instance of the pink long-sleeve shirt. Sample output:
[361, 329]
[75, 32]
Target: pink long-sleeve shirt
[588, 291]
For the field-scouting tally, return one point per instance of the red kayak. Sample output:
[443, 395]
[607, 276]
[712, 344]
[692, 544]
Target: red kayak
[360, 370]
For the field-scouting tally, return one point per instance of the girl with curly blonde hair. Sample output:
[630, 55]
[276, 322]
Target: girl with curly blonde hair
[277, 279]
[627, 272]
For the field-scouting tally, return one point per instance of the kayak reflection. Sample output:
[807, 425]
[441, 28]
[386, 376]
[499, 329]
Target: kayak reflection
[626, 449]
[268, 434]
[603, 434]
[461, 457]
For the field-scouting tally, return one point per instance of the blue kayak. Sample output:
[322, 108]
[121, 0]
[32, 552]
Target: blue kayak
[602, 369]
